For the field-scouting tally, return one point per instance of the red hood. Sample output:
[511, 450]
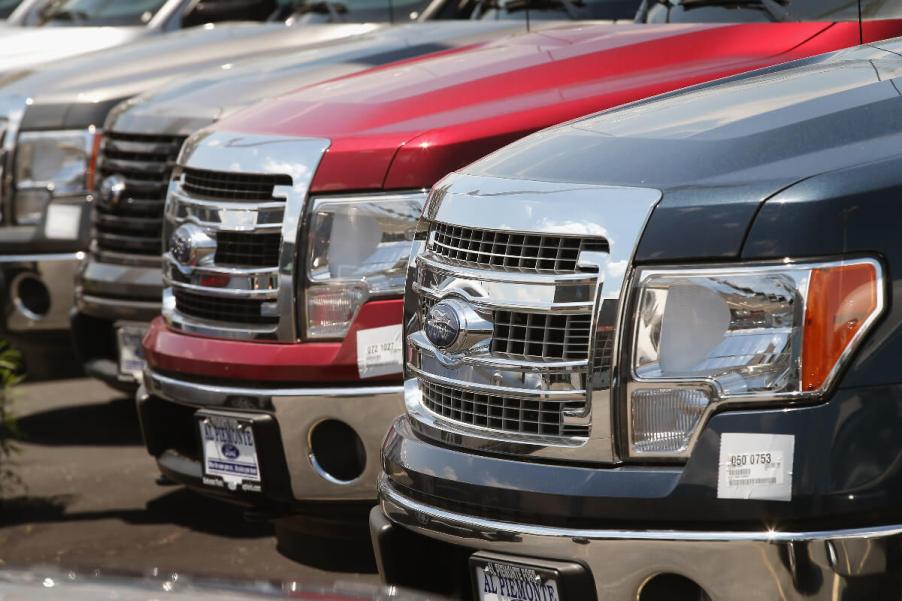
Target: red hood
[407, 125]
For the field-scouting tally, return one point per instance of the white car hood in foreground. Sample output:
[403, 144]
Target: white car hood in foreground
[26, 47]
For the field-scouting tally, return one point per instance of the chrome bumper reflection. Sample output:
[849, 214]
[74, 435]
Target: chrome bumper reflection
[752, 566]
[114, 292]
[369, 410]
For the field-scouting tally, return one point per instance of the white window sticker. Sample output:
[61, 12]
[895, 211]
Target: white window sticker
[755, 467]
[379, 351]
[62, 222]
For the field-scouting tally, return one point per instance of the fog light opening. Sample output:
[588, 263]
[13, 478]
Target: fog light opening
[30, 296]
[671, 587]
[336, 451]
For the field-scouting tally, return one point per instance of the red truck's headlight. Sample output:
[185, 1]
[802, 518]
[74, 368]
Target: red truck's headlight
[705, 336]
[357, 249]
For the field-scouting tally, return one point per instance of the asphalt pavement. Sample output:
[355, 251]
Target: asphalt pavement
[89, 500]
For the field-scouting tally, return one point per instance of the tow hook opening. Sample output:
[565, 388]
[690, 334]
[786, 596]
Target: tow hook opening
[671, 587]
[30, 296]
[336, 451]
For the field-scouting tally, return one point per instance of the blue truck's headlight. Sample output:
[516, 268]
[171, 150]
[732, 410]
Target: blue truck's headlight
[706, 336]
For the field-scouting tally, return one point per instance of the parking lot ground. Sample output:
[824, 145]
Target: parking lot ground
[90, 501]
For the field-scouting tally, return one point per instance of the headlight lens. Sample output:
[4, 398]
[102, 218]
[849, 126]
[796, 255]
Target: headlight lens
[750, 333]
[50, 164]
[357, 249]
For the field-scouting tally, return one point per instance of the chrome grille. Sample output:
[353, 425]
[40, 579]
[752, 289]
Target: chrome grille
[214, 308]
[252, 250]
[233, 218]
[510, 251]
[541, 335]
[500, 413]
[235, 187]
[133, 225]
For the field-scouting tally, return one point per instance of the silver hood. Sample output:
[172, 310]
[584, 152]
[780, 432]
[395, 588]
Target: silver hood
[196, 100]
[27, 47]
[137, 67]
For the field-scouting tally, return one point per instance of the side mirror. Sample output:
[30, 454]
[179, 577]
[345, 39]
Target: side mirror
[217, 11]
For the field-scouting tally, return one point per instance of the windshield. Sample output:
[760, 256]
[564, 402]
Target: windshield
[556, 9]
[100, 12]
[7, 7]
[739, 11]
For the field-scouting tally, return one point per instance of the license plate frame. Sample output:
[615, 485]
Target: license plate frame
[488, 585]
[229, 451]
[130, 359]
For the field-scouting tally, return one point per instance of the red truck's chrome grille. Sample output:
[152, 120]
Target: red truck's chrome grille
[252, 250]
[214, 308]
[131, 221]
[510, 251]
[496, 412]
[234, 187]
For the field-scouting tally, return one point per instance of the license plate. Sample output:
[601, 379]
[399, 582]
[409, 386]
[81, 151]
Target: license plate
[502, 581]
[229, 453]
[131, 351]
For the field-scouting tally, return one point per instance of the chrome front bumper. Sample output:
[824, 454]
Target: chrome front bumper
[56, 272]
[369, 410]
[752, 566]
[119, 292]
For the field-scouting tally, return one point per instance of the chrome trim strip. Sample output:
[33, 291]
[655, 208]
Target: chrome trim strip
[227, 152]
[193, 393]
[488, 529]
[76, 256]
[116, 303]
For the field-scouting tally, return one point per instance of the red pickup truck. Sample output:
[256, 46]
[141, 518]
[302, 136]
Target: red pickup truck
[275, 370]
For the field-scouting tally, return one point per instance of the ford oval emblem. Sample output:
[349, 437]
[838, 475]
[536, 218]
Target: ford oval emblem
[442, 325]
[112, 190]
[230, 451]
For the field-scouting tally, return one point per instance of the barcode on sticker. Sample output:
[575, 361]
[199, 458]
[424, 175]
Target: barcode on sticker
[755, 466]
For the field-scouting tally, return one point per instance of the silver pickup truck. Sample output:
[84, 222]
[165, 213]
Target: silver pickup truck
[41, 31]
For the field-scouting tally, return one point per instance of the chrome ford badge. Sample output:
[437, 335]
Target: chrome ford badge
[191, 245]
[112, 189]
[442, 325]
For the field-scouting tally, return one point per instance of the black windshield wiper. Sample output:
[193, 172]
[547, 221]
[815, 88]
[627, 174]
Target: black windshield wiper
[512, 6]
[335, 10]
[773, 8]
[65, 14]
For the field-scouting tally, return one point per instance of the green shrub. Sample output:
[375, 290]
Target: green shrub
[10, 376]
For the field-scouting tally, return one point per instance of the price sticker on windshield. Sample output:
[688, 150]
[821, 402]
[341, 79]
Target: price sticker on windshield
[755, 466]
[379, 351]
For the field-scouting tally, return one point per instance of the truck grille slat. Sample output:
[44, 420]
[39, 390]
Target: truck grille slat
[510, 251]
[133, 224]
[214, 308]
[541, 336]
[506, 414]
[236, 187]
[251, 250]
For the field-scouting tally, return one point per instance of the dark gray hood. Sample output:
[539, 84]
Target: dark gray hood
[199, 99]
[717, 151]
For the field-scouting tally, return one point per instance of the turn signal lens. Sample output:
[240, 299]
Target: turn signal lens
[841, 299]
